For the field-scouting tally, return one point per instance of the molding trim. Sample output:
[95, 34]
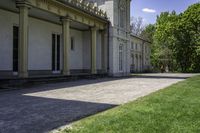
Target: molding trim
[42, 19]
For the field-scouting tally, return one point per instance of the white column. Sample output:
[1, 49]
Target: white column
[66, 45]
[94, 55]
[23, 37]
[104, 53]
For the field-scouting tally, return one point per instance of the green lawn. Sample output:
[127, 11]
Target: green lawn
[175, 109]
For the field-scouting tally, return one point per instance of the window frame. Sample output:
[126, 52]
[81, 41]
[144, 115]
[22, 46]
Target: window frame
[56, 52]
[121, 57]
[122, 14]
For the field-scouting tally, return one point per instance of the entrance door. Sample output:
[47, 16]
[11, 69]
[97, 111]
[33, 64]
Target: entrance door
[55, 53]
[15, 49]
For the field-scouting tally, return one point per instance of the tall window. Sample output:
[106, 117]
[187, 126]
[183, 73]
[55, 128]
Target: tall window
[72, 43]
[133, 59]
[136, 46]
[15, 48]
[55, 52]
[132, 45]
[122, 13]
[133, 63]
[137, 63]
[120, 57]
[140, 69]
[146, 49]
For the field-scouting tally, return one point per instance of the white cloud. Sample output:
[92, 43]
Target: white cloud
[148, 10]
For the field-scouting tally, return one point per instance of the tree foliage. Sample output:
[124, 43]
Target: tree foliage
[163, 39]
[188, 39]
[176, 40]
[148, 32]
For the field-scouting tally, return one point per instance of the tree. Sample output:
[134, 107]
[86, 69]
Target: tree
[148, 32]
[137, 25]
[163, 40]
[177, 39]
[188, 39]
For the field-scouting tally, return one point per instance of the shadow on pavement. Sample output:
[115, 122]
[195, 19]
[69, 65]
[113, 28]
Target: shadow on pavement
[28, 114]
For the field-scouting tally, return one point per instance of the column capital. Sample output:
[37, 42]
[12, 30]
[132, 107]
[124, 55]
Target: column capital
[104, 31]
[65, 19]
[94, 28]
[23, 3]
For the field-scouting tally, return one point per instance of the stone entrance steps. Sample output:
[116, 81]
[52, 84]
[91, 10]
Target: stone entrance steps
[17, 83]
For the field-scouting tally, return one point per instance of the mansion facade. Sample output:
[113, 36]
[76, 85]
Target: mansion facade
[69, 37]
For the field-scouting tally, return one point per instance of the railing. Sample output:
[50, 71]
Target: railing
[86, 6]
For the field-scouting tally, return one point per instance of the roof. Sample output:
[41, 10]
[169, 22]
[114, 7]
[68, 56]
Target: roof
[86, 7]
[136, 36]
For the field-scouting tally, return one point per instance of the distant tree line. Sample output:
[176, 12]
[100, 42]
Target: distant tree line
[175, 40]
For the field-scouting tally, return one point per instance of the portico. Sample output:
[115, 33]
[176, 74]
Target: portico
[55, 38]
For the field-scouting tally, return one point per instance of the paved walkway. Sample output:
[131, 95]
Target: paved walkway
[46, 107]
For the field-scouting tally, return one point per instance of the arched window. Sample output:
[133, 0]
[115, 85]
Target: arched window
[122, 13]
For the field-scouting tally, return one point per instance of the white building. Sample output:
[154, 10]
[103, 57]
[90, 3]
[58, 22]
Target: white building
[140, 55]
[64, 37]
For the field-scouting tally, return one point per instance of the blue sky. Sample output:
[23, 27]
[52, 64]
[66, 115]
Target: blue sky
[149, 9]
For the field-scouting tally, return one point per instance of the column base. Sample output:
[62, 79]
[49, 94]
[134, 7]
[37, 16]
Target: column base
[105, 71]
[94, 71]
[66, 73]
[23, 74]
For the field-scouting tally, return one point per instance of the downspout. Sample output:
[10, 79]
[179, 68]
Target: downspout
[108, 47]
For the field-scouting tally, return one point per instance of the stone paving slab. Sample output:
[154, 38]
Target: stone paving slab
[46, 107]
